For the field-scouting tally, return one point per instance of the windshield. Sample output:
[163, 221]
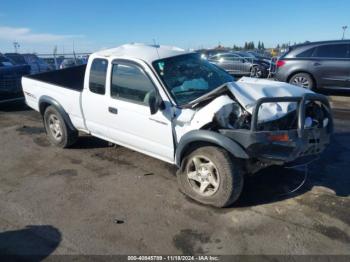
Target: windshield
[187, 77]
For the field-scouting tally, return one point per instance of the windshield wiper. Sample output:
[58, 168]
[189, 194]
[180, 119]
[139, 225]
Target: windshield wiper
[190, 90]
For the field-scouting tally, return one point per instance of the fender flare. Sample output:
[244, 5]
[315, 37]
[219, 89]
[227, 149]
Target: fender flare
[53, 102]
[210, 137]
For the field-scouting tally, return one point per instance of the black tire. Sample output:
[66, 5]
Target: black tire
[67, 138]
[300, 78]
[229, 171]
[257, 72]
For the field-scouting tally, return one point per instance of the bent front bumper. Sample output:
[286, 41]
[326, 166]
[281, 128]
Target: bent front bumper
[296, 143]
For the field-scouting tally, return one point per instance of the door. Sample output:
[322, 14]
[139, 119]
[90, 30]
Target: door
[95, 100]
[130, 121]
[222, 61]
[330, 65]
[239, 64]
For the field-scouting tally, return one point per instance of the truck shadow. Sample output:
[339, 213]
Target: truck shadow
[89, 142]
[277, 183]
[14, 106]
[32, 243]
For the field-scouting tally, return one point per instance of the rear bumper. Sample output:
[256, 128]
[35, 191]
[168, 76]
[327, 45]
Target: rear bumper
[281, 75]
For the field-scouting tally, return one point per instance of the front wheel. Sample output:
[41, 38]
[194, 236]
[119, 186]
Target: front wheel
[257, 72]
[211, 176]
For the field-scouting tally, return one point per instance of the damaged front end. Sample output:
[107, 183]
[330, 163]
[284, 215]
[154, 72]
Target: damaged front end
[288, 130]
[296, 138]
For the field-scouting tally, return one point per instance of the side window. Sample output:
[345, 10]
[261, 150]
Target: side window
[98, 72]
[238, 58]
[129, 82]
[332, 51]
[214, 58]
[307, 53]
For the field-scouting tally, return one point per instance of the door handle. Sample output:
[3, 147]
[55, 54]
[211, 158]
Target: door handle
[113, 110]
[317, 64]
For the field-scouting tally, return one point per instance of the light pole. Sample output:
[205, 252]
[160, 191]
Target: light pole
[16, 46]
[344, 29]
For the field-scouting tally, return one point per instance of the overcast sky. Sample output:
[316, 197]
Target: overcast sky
[92, 25]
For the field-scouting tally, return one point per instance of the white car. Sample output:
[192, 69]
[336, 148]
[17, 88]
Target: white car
[175, 106]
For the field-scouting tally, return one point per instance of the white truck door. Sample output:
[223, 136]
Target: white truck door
[95, 99]
[130, 121]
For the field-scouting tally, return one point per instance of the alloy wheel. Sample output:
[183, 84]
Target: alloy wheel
[301, 81]
[203, 176]
[55, 127]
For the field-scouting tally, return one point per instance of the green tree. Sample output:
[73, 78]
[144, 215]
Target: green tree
[252, 46]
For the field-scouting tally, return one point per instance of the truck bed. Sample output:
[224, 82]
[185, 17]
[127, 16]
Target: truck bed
[72, 78]
[63, 86]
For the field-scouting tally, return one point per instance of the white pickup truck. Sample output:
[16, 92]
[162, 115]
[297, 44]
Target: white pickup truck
[175, 106]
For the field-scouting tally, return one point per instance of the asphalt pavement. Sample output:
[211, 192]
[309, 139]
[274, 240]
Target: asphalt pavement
[96, 198]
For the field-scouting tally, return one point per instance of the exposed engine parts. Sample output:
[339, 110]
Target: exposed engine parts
[233, 116]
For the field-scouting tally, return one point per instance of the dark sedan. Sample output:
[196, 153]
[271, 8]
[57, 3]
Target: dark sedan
[239, 64]
[317, 65]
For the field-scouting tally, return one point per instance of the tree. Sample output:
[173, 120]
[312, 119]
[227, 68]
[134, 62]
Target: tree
[262, 46]
[252, 46]
[236, 48]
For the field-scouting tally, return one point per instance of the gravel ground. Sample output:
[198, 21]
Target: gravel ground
[100, 199]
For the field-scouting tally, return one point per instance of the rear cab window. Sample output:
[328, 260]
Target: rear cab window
[98, 73]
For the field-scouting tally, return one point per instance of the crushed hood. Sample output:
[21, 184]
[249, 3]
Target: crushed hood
[248, 90]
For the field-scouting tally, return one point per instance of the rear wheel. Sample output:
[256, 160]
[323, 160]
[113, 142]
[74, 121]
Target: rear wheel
[57, 130]
[210, 175]
[303, 80]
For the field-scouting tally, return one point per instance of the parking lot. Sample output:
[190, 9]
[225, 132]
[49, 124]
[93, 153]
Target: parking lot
[97, 198]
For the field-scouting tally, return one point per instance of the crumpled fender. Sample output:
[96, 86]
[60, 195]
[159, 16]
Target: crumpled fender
[210, 137]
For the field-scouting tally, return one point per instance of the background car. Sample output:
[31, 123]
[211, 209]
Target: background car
[18, 59]
[238, 64]
[206, 53]
[37, 65]
[316, 65]
[70, 62]
[261, 56]
[51, 63]
[10, 78]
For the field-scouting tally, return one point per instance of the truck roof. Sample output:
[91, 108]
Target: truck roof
[147, 53]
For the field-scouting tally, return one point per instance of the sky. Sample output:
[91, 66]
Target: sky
[40, 25]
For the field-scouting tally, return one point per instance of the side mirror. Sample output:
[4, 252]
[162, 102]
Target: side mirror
[155, 103]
